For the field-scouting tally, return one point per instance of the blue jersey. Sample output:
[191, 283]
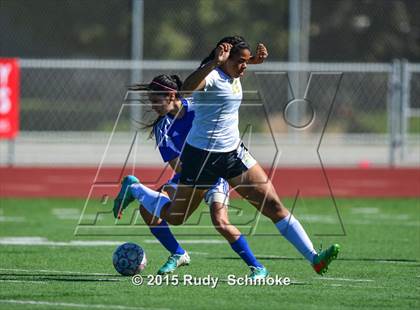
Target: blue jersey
[171, 132]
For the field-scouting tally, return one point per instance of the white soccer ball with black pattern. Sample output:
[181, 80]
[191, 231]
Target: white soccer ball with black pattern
[129, 259]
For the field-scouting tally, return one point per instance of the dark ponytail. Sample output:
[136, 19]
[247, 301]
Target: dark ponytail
[238, 43]
[177, 80]
[163, 84]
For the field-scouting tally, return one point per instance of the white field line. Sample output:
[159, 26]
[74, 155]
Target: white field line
[376, 261]
[198, 253]
[12, 219]
[344, 279]
[66, 213]
[73, 214]
[45, 242]
[313, 218]
[395, 262]
[357, 286]
[364, 210]
[276, 256]
[44, 282]
[389, 222]
[73, 305]
[58, 271]
[202, 241]
[23, 281]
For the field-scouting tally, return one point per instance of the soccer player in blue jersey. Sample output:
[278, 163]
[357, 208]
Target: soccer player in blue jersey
[170, 129]
[214, 149]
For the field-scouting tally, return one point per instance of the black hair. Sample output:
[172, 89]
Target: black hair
[238, 44]
[163, 84]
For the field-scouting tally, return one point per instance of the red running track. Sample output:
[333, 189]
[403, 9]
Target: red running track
[344, 182]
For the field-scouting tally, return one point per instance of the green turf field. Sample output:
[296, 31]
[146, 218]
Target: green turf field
[379, 267]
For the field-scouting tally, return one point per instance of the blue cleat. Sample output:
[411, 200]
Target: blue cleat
[124, 197]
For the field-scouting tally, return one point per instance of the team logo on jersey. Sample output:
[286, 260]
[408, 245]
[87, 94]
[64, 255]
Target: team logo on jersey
[236, 89]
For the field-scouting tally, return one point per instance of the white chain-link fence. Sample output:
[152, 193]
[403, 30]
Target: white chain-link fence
[69, 107]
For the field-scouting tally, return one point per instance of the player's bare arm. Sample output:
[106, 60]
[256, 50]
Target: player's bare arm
[196, 81]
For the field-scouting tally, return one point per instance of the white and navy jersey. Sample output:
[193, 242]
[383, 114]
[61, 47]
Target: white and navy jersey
[171, 132]
[215, 126]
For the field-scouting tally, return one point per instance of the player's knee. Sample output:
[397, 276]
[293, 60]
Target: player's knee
[221, 225]
[274, 209]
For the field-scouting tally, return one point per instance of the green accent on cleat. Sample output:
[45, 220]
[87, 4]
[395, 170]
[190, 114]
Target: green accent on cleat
[323, 259]
[124, 197]
[258, 273]
[174, 261]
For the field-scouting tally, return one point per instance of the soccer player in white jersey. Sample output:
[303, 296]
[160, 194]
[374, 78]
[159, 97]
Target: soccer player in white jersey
[170, 129]
[213, 149]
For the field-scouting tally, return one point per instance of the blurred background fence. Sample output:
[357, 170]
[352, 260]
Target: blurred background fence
[69, 108]
[71, 92]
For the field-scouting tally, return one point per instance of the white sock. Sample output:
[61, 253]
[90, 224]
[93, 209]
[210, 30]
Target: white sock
[291, 229]
[152, 201]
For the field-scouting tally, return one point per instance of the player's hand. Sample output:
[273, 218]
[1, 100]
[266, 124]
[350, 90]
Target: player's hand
[260, 55]
[222, 53]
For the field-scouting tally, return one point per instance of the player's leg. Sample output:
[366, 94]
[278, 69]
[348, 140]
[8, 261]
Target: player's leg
[236, 240]
[152, 202]
[187, 197]
[255, 186]
[220, 220]
[195, 176]
[193, 183]
[160, 229]
[186, 200]
[217, 198]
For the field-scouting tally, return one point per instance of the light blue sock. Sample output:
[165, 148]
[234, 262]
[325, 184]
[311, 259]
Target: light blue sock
[291, 229]
[152, 201]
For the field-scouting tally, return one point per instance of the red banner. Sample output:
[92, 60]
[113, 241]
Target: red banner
[9, 97]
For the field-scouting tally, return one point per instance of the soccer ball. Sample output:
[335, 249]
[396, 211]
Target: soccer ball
[129, 259]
